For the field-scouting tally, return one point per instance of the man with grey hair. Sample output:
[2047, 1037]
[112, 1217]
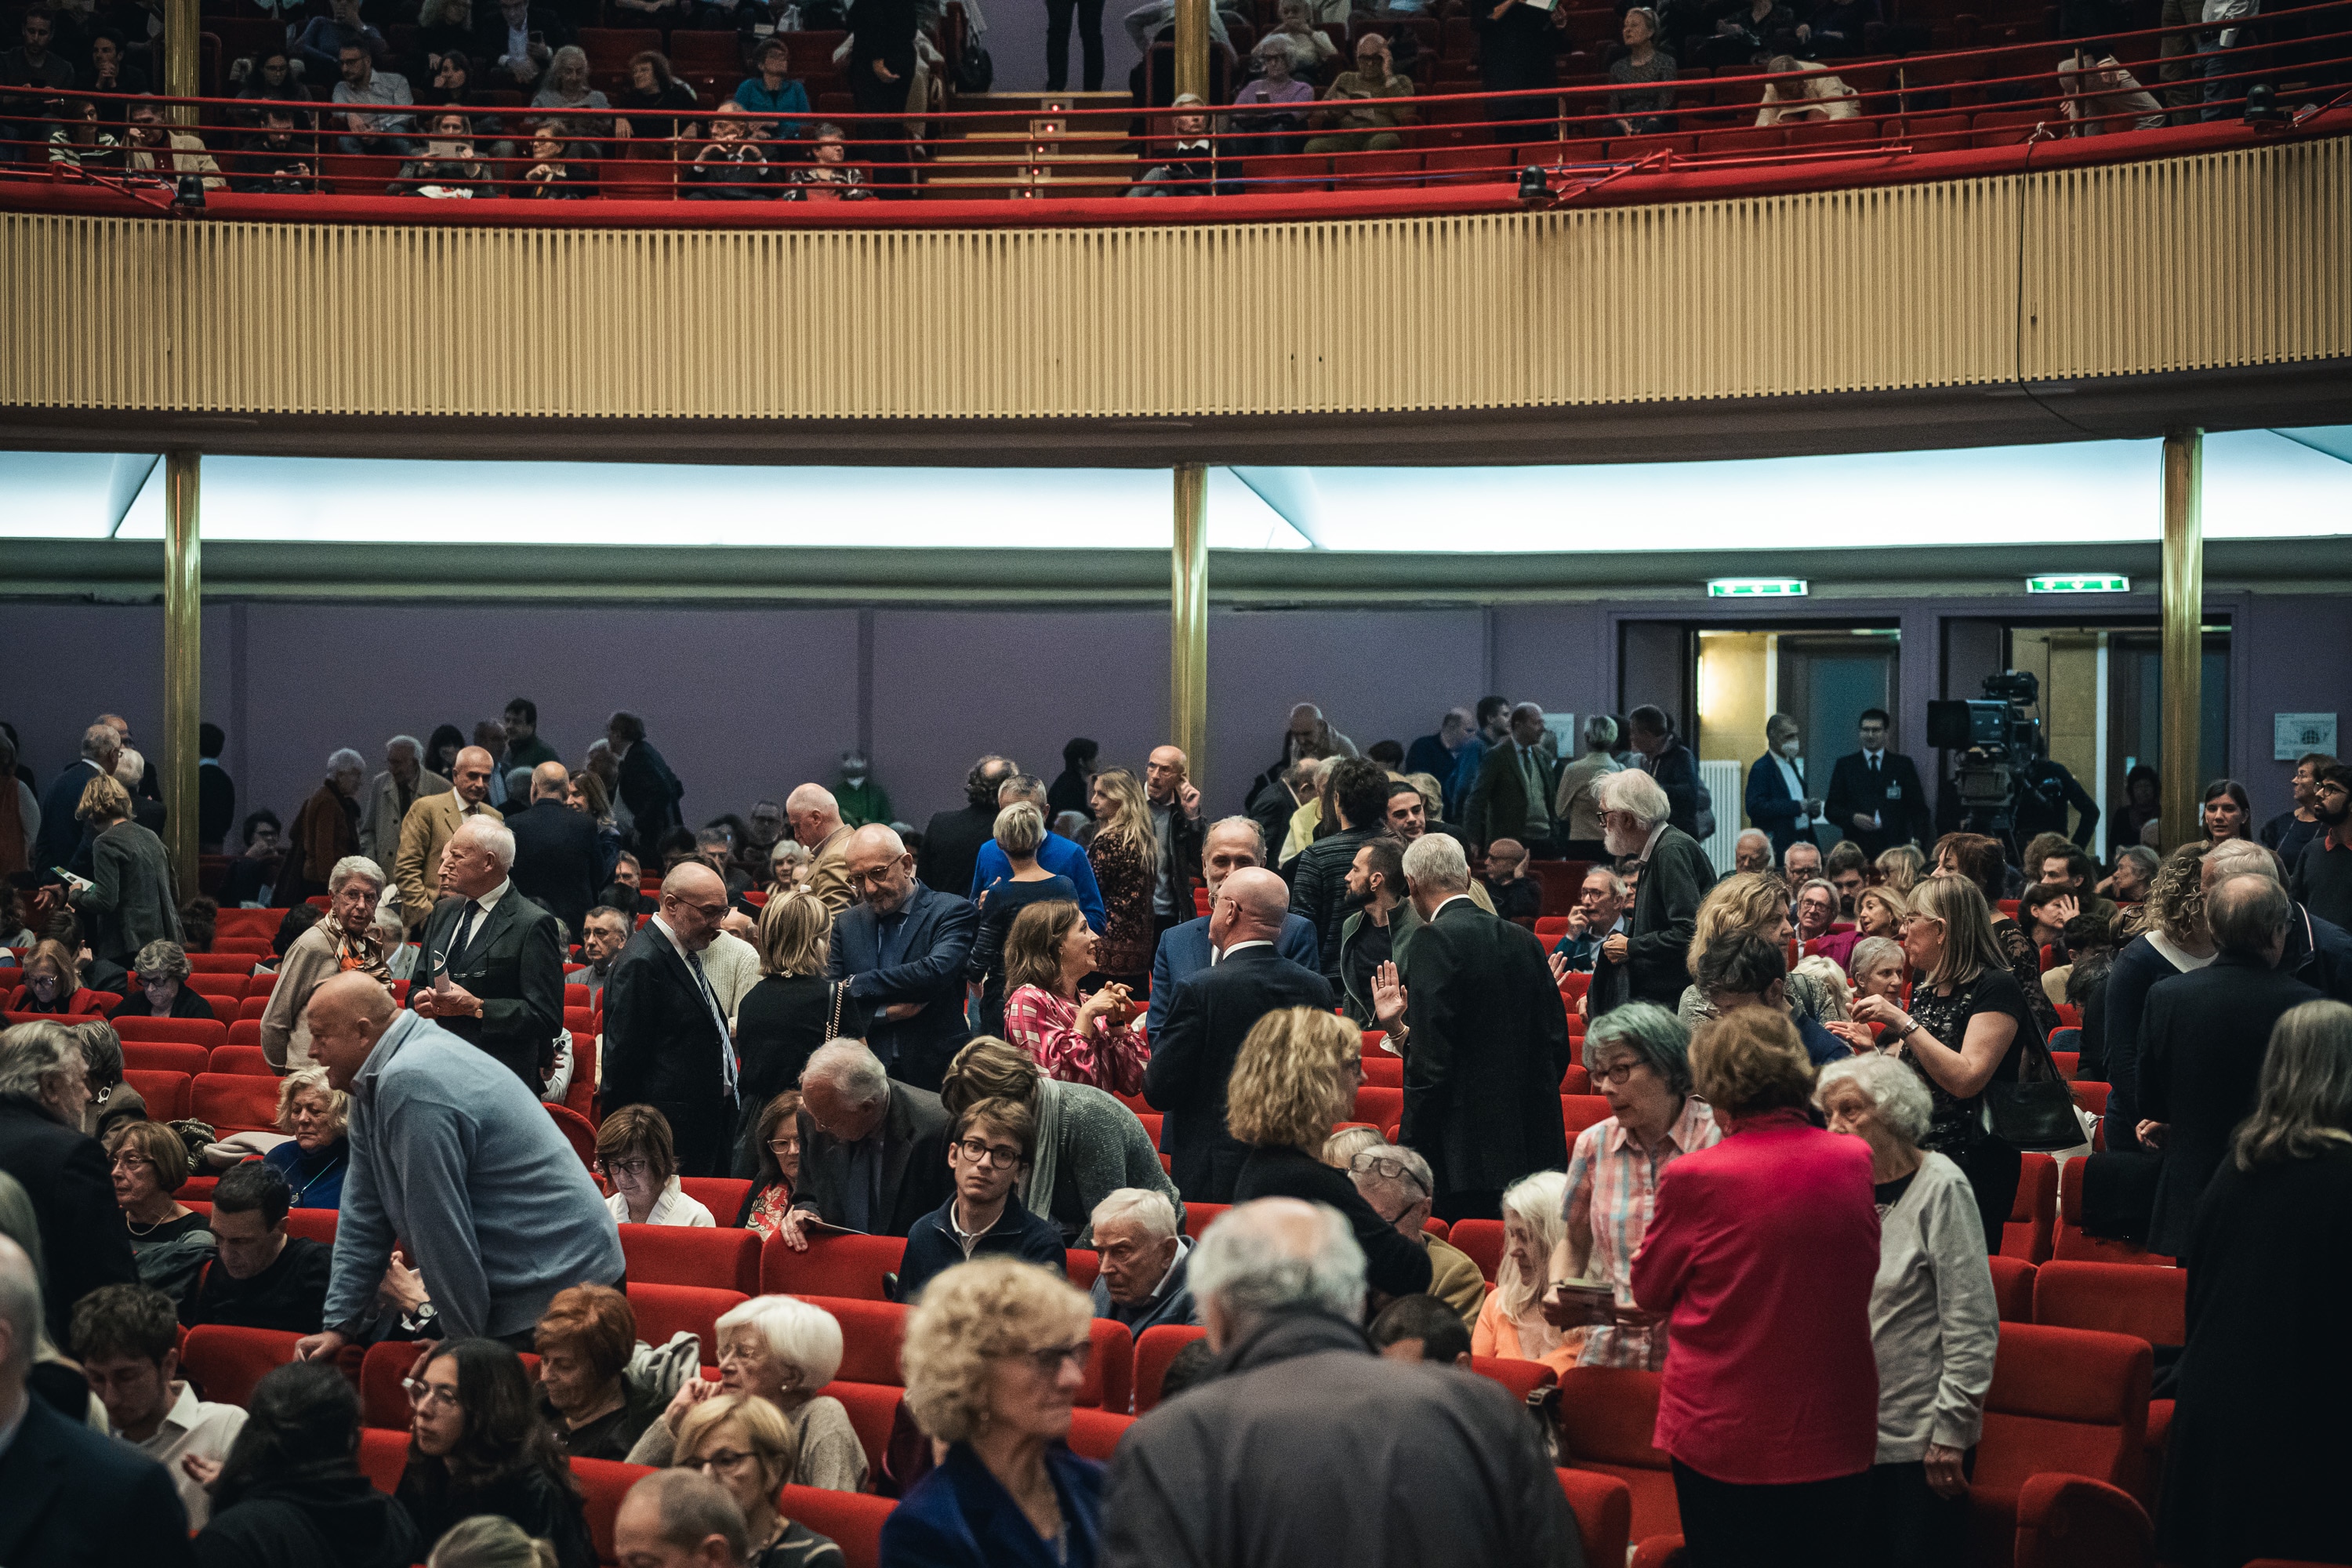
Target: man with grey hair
[347, 940]
[1477, 1013]
[63, 839]
[2318, 952]
[560, 863]
[69, 1494]
[44, 1093]
[901, 950]
[323, 831]
[679, 1519]
[666, 1040]
[1516, 783]
[1438, 754]
[816, 817]
[1145, 1258]
[1400, 1188]
[1231, 844]
[1800, 863]
[874, 1150]
[1751, 851]
[1646, 962]
[1303, 1449]
[1063, 857]
[2203, 1037]
[1779, 799]
[490, 964]
[1600, 914]
[2133, 874]
[404, 781]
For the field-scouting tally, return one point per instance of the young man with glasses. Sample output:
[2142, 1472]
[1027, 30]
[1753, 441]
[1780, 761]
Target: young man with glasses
[990, 1146]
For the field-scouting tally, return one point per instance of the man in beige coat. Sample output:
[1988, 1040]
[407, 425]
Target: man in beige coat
[431, 823]
[815, 818]
[347, 939]
[405, 781]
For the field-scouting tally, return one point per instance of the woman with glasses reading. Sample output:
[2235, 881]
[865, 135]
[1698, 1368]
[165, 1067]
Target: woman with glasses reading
[748, 1449]
[1639, 1056]
[476, 1445]
[988, 1149]
[637, 1158]
[994, 1358]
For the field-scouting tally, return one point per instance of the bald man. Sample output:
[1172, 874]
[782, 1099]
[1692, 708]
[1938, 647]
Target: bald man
[815, 818]
[451, 1154]
[490, 964]
[430, 822]
[560, 863]
[1177, 825]
[902, 949]
[666, 1038]
[1212, 1012]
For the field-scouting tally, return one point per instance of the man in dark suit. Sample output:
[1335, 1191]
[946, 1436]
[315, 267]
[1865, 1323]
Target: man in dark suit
[1648, 961]
[665, 1039]
[1232, 843]
[951, 842]
[902, 950]
[2203, 1035]
[69, 1495]
[490, 964]
[44, 1089]
[556, 858]
[1513, 796]
[1779, 799]
[646, 786]
[1485, 1036]
[64, 840]
[874, 1150]
[215, 791]
[1209, 1015]
[1875, 796]
[1650, 731]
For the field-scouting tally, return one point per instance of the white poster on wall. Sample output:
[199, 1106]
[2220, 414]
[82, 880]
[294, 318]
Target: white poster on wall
[2297, 735]
[1562, 727]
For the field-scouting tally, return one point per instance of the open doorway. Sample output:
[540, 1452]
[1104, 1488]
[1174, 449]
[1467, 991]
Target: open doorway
[1820, 677]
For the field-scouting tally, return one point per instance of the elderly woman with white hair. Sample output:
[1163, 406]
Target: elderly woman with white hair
[1267, 111]
[1934, 1323]
[326, 831]
[316, 1117]
[1512, 1324]
[161, 972]
[782, 1350]
[346, 940]
[1648, 962]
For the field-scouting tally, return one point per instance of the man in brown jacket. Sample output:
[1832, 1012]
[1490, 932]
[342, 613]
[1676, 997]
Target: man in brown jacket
[431, 823]
[815, 818]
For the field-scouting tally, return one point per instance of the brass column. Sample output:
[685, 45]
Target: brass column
[1193, 52]
[180, 29]
[2184, 638]
[183, 592]
[1188, 622]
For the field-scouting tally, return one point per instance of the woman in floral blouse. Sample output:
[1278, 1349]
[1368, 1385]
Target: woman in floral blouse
[1126, 858]
[1087, 1039]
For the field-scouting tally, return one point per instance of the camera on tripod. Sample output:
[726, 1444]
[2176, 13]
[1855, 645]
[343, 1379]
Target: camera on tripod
[1995, 740]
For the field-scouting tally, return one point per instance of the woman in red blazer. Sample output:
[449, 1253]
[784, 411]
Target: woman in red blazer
[1760, 1254]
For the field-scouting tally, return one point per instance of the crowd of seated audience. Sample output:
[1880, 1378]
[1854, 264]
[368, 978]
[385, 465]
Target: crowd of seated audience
[1818, 1071]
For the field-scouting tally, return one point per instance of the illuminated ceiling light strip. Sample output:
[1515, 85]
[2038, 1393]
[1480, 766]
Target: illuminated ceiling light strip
[1755, 588]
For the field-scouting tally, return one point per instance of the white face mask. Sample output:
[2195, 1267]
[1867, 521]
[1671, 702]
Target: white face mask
[1792, 748]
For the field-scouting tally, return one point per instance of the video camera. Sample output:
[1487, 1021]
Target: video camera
[1997, 740]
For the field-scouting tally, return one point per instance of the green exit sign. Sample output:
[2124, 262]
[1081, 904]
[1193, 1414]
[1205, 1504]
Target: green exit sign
[2079, 583]
[1755, 588]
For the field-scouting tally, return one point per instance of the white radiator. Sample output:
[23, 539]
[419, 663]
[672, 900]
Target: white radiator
[1726, 782]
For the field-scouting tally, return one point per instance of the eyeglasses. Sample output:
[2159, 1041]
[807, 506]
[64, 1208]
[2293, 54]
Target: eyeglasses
[1394, 1170]
[707, 911]
[1049, 1359]
[784, 1146]
[423, 1395]
[639, 1167]
[1620, 1071]
[129, 1162]
[980, 1154]
[725, 1460]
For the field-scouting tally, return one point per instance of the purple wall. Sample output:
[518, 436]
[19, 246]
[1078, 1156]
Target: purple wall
[746, 702]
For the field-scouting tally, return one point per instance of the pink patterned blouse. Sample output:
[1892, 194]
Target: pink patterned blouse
[1110, 1056]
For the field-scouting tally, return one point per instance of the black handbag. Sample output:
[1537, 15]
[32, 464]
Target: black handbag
[2035, 1112]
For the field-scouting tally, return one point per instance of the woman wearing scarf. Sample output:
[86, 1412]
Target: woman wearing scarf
[347, 939]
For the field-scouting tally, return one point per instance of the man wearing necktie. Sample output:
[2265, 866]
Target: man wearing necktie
[666, 1038]
[1875, 796]
[431, 821]
[1512, 798]
[491, 964]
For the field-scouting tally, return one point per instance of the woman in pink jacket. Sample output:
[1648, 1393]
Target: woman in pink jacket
[1760, 1254]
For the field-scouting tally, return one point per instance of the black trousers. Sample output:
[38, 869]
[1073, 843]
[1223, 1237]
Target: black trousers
[1809, 1524]
[702, 1133]
[1451, 1206]
[890, 158]
[1909, 1524]
[1089, 14]
[1992, 1168]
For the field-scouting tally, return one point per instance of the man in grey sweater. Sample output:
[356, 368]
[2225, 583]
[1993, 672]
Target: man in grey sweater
[451, 1152]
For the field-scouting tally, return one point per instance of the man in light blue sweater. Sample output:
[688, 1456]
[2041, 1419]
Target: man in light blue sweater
[450, 1151]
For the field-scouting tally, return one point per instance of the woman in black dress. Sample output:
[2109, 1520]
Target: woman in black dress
[791, 1012]
[1020, 830]
[2259, 1442]
[1978, 859]
[1964, 1029]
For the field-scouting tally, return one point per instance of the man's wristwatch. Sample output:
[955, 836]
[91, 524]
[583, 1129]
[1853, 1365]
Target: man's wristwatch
[423, 1323]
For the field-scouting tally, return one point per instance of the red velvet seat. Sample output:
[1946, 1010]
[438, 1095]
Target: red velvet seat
[2062, 1400]
[232, 1102]
[2073, 1521]
[317, 1224]
[1153, 1351]
[1095, 1434]
[1606, 1417]
[871, 1332]
[2012, 1288]
[1199, 1217]
[165, 1056]
[664, 1312]
[722, 1196]
[1483, 1240]
[246, 1060]
[578, 1132]
[218, 989]
[166, 1093]
[873, 1410]
[719, 1258]
[205, 1032]
[852, 1520]
[603, 1484]
[1380, 1106]
[2071, 1245]
[219, 964]
[1603, 1507]
[850, 1266]
[226, 1362]
[384, 1454]
[2151, 1304]
[1521, 1377]
[246, 1032]
[2034, 1211]
[1579, 1111]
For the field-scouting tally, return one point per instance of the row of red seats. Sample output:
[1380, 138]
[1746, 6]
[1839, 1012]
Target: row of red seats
[2045, 1221]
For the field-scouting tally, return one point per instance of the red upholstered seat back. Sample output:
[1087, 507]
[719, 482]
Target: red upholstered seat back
[850, 1266]
[714, 1257]
[2065, 1399]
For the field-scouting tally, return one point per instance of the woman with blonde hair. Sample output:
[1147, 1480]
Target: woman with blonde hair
[1877, 912]
[2169, 938]
[1822, 95]
[1754, 902]
[128, 901]
[1124, 855]
[1761, 1253]
[795, 1008]
[1900, 867]
[1089, 1038]
[994, 1359]
[1511, 1323]
[1019, 832]
[315, 1116]
[1296, 1074]
[52, 983]
[1967, 1027]
[1981, 860]
[747, 1447]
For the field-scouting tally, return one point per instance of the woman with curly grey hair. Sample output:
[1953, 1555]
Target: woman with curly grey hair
[994, 1359]
[1934, 1323]
[161, 972]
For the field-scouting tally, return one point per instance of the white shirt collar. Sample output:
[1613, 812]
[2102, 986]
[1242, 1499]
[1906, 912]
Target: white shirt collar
[1183, 1245]
[1215, 954]
[1870, 757]
[1457, 898]
[1650, 843]
[664, 927]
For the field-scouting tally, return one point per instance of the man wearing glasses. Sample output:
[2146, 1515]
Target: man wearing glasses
[989, 1147]
[666, 1037]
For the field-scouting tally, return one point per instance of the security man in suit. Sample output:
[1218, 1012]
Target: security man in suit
[1875, 798]
[491, 966]
[1779, 799]
[1513, 796]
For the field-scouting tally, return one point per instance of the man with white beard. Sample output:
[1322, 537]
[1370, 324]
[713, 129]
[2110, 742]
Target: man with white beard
[1646, 962]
